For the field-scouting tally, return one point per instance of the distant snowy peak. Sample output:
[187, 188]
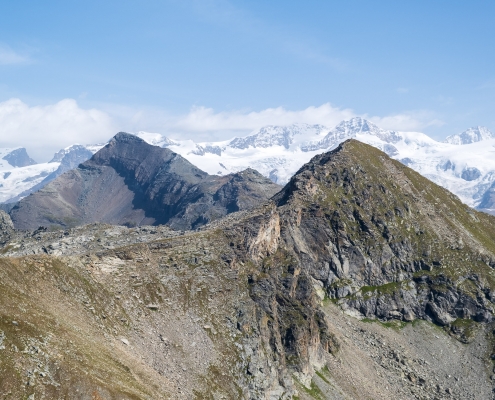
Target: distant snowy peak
[76, 151]
[18, 158]
[59, 155]
[472, 135]
[349, 129]
[271, 135]
[156, 139]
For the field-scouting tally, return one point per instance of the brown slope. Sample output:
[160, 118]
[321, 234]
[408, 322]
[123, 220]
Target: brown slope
[133, 183]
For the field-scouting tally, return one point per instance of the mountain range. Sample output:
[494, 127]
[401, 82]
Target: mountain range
[464, 163]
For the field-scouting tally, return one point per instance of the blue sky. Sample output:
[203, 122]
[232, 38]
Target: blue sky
[81, 70]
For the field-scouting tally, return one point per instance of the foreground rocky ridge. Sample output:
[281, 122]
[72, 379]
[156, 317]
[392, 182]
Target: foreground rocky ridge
[250, 306]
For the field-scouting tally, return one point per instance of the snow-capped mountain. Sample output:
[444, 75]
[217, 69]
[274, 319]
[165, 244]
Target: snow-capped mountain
[274, 151]
[348, 129]
[20, 175]
[472, 135]
[278, 152]
[464, 163]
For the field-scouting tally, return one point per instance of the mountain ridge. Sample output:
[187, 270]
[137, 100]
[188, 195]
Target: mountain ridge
[283, 150]
[131, 182]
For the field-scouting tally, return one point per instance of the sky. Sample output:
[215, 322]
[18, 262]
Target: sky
[80, 71]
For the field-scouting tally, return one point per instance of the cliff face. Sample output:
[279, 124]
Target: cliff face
[133, 183]
[387, 242]
[376, 238]
[250, 305]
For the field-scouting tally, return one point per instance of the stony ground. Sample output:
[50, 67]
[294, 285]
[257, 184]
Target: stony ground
[156, 321]
[404, 361]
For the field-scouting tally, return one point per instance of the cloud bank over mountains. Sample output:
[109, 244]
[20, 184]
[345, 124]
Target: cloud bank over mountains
[45, 129]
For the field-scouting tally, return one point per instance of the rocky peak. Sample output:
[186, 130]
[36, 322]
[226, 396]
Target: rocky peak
[367, 199]
[376, 237]
[471, 135]
[124, 137]
[19, 158]
[349, 129]
[130, 182]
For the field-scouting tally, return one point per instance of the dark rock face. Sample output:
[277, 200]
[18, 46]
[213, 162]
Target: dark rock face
[6, 227]
[131, 182]
[19, 158]
[470, 174]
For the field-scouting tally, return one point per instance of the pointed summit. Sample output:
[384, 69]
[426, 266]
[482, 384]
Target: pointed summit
[471, 135]
[349, 129]
[130, 182]
[357, 125]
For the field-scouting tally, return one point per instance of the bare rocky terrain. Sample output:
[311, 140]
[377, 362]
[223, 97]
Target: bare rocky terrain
[359, 280]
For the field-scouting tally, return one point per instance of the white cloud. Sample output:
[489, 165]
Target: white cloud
[201, 119]
[408, 121]
[9, 56]
[206, 122]
[43, 130]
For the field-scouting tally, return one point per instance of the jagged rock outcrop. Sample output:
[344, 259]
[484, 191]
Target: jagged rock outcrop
[133, 183]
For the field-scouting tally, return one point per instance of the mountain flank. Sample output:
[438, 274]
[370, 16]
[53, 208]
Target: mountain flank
[129, 182]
